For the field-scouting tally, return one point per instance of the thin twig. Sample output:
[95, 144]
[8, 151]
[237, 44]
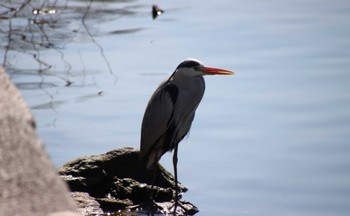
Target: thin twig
[94, 41]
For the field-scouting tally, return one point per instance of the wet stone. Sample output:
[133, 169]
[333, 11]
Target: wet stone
[86, 204]
[116, 181]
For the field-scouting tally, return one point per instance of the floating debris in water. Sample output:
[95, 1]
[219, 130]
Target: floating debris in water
[45, 16]
[44, 11]
[156, 11]
[68, 83]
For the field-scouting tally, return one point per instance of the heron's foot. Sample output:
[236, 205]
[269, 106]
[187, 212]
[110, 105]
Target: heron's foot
[182, 208]
[149, 206]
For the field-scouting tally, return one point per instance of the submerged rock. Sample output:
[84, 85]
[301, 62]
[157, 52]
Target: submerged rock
[116, 181]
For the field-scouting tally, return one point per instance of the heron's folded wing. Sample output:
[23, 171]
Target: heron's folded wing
[157, 117]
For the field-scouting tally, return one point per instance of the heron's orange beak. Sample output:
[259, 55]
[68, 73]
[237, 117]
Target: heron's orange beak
[213, 71]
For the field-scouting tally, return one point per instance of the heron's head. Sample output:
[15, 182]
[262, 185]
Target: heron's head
[193, 67]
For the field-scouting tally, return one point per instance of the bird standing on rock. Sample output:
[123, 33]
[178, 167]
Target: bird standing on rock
[170, 112]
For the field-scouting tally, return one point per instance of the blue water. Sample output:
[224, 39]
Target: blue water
[272, 140]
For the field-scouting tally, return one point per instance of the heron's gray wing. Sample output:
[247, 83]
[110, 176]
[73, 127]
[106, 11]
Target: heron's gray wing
[156, 120]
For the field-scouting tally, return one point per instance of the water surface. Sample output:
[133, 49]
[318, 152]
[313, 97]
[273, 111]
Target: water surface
[271, 140]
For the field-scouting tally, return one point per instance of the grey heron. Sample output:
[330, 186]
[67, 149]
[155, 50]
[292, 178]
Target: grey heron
[170, 112]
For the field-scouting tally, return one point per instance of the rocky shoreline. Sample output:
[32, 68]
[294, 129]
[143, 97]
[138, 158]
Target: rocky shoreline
[114, 181]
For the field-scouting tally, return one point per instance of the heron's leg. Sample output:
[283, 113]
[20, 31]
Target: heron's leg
[175, 173]
[177, 201]
[149, 205]
[153, 181]
[152, 206]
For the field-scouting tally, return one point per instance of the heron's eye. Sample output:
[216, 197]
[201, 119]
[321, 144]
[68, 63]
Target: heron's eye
[196, 68]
